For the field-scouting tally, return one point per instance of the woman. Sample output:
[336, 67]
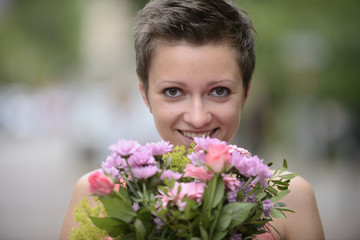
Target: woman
[195, 59]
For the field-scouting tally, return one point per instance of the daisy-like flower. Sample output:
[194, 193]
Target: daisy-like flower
[203, 143]
[252, 166]
[197, 158]
[159, 148]
[124, 147]
[144, 172]
[142, 157]
[170, 174]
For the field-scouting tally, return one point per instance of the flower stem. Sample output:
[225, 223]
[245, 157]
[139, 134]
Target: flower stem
[212, 193]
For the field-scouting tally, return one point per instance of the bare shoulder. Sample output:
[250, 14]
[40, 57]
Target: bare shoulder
[305, 223]
[80, 192]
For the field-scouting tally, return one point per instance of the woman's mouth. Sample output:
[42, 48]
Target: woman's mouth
[190, 134]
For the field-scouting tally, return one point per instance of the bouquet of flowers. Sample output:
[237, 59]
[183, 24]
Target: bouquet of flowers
[210, 191]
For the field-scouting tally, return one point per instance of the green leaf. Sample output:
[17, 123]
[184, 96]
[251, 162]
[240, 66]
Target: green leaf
[219, 235]
[223, 222]
[112, 226]
[219, 193]
[280, 195]
[140, 231]
[260, 196]
[285, 165]
[238, 211]
[203, 233]
[279, 204]
[272, 190]
[276, 213]
[117, 208]
[289, 176]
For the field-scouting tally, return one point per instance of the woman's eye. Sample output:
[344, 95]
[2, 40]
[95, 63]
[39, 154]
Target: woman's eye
[220, 92]
[172, 92]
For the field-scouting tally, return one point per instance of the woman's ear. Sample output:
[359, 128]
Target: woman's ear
[143, 92]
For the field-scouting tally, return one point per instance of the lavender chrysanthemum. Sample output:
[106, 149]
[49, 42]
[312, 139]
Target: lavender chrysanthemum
[170, 174]
[267, 207]
[113, 160]
[141, 157]
[203, 142]
[197, 158]
[252, 167]
[144, 172]
[159, 148]
[124, 147]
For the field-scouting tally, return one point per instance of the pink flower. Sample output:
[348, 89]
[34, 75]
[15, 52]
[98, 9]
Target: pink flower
[170, 174]
[100, 184]
[232, 183]
[197, 158]
[192, 190]
[253, 166]
[124, 147]
[242, 151]
[198, 172]
[144, 172]
[203, 143]
[218, 157]
[159, 148]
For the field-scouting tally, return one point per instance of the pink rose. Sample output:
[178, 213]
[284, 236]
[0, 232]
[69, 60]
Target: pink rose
[198, 172]
[218, 157]
[100, 184]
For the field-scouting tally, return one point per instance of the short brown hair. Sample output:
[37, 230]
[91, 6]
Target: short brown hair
[197, 22]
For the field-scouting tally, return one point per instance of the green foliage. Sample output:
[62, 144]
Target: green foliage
[86, 229]
[39, 40]
[177, 159]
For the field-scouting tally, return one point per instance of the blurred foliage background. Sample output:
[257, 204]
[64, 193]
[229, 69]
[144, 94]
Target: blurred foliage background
[68, 90]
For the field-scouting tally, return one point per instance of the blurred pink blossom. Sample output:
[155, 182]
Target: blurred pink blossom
[197, 172]
[218, 157]
[100, 184]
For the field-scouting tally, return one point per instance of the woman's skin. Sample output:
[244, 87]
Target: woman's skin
[195, 91]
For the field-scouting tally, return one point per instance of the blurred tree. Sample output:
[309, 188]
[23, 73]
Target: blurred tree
[39, 40]
[307, 50]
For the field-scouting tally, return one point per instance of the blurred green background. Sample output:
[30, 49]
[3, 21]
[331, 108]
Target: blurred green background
[68, 90]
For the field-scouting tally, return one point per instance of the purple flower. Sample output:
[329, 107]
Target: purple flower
[170, 174]
[159, 223]
[232, 196]
[252, 166]
[136, 207]
[113, 160]
[141, 157]
[203, 143]
[113, 172]
[242, 151]
[144, 172]
[236, 237]
[197, 158]
[267, 207]
[159, 148]
[124, 147]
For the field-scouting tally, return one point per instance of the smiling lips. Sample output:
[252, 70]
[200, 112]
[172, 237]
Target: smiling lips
[197, 134]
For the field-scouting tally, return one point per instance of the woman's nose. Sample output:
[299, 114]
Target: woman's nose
[197, 114]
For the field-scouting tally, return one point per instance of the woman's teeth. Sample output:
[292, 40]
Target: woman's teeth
[193, 135]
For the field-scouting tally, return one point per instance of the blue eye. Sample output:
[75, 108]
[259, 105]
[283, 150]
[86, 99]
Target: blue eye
[220, 92]
[172, 92]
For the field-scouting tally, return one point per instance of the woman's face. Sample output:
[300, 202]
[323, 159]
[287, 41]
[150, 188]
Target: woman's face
[194, 91]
